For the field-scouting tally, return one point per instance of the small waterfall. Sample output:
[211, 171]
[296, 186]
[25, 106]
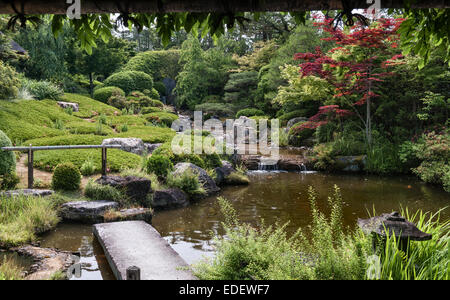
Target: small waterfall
[267, 165]
[302, 167]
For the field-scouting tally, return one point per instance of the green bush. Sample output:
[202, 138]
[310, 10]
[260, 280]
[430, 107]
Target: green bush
[88, 167]
[165, 118]
[157, 64]
[159, 165]
[249, 112]
[9, 181]
[7, 158]
[103, 94]
[130, 81]
[290, 115]
[147, 110]
[153, 93]
[44, 90]
[188, 182]
[97, 191]
[66, 177]
[212, 160]
[9, 82]
[298, 134]
[117, 100]
[157, 103]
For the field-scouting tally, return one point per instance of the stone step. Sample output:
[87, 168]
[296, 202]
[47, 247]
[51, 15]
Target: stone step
[136, 243]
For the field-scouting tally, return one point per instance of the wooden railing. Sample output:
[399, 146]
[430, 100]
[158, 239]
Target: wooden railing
[30, 150]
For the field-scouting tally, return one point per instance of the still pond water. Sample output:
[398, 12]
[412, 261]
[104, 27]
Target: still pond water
[271, 196]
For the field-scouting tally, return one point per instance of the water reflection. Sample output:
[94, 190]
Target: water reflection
[282, 197]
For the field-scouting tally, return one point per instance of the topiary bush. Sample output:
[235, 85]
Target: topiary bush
[147, 110]
[66, 177]
[159, 165]
[9, 82]
[7, 158]
[249, 112]
[104, 93]
[164, 117]
[153, 93]
[130, 81]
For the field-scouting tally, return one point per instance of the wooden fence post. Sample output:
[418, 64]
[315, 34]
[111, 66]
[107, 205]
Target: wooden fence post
[104, 157]
[30, 167]
[133, 273]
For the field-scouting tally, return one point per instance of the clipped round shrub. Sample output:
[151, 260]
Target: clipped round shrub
[7, 158]
[159, 165]
[9, 81]
[66, 177]
[153, 93]
[130, 81]
[298, 135]
[104, 93]
[249, 112]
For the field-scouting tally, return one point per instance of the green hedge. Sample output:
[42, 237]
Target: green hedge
[104, 93]
[117, 159]
[158, 64]
[160, 165]
[249, 112]
[130, 81]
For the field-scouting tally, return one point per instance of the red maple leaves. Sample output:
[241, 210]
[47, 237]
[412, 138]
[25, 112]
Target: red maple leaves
[357, 72]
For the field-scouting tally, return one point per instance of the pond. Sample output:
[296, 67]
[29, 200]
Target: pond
[272, 196]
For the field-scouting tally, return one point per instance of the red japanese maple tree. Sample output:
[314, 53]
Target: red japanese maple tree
[353, 68]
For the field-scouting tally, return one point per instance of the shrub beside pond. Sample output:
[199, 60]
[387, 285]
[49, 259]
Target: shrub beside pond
[66, 177]
[97, 191]
[159, 165]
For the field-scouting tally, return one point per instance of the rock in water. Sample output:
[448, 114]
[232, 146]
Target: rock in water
[223, 172]
[208, 183]
[89, 212]
[132, 145]
[136, 188]
[169, 198]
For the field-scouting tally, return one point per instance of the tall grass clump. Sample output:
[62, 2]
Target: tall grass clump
[21, 218]
[95, 191]
[9, 270]
[268, 253]
[188, 182]
[425, 260]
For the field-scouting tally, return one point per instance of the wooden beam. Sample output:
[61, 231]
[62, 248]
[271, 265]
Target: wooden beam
[165, 6]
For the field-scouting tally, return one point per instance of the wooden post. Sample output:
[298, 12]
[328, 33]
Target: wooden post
[133, 273]
[30, 167]
[234, 145]
[104, 157]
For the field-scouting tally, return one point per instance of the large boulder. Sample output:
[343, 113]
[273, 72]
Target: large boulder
[223, 172]
[151, 147]
[89, 212]
[136, 188]
[132, 145]
[208, 183]
[169, 198]
[27, 192]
